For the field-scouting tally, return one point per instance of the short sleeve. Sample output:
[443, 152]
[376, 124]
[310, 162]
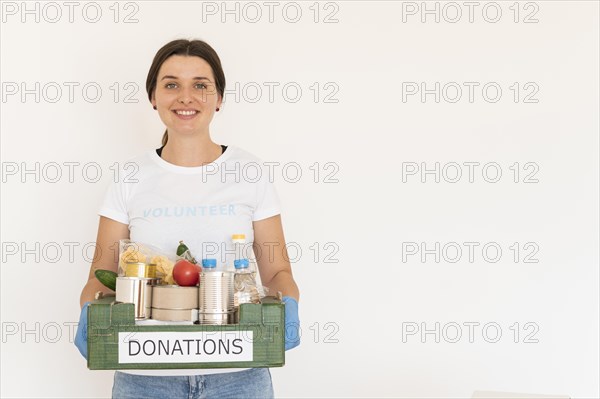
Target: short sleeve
[115, 203]
[267, 203]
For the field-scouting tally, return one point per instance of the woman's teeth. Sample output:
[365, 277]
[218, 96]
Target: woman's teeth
[186, 112]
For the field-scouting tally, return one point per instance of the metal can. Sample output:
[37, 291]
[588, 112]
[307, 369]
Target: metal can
[175, 303]
[216, 298]
[140, 269]
[136, 290]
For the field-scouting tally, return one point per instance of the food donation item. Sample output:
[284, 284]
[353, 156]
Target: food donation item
[176, 289]
[107, 277]
[244, 284]
[164, 267]
[136, 252]
[140, 269]
[215, 295]
[137, 290]
[185, 273]
[175, 303]
[239, 241]
[245, 288]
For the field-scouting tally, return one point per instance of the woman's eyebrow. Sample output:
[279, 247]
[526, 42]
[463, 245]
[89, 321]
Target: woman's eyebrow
[175, 77]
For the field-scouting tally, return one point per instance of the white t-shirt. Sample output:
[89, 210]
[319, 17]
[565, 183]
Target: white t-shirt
[204, 206]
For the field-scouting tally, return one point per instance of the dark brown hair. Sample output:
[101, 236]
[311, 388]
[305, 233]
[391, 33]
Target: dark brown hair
[195, 48]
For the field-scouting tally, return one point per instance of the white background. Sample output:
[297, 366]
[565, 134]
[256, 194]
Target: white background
[368, 133]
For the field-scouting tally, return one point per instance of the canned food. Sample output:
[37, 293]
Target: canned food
[136, 290]
[175, 303]
[140, 269]
[175, 297]
[216, 298]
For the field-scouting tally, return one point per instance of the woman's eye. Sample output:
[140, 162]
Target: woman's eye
[200, 86]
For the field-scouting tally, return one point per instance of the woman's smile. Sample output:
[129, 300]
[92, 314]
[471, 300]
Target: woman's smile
[186, 114]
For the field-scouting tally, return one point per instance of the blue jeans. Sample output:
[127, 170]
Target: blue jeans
[251, 383]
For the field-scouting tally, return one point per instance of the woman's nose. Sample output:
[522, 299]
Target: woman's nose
[185, 96]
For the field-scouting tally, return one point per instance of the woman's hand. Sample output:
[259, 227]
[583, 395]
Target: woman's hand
[292, 323]
[109, 234]
[81, 335]
[276, 272]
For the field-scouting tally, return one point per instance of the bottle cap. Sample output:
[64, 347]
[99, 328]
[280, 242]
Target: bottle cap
[241, 263]
[209, 263]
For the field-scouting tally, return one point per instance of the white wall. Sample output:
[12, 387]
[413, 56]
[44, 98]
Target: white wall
[370, 215]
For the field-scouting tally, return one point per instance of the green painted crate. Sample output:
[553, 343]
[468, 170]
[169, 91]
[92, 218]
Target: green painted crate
[115, 342]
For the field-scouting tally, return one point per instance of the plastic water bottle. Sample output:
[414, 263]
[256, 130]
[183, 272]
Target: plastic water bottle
[244, 284]
[239, 241]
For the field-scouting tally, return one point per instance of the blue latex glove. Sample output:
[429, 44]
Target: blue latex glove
[81, 335]
[292, 323]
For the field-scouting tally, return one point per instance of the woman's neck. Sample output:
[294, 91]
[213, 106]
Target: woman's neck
[190, 151]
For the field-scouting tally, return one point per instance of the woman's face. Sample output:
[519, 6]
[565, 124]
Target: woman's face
[186, 95]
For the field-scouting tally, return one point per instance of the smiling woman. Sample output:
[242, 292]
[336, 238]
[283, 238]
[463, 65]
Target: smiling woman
[185, 84]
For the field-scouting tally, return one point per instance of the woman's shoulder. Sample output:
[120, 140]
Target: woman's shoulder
[240, 154]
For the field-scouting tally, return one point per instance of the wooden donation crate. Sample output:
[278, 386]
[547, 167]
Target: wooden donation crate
[116, 342]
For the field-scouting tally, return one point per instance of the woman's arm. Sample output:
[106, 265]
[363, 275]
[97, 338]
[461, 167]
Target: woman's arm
[107, 243]
[272, 258]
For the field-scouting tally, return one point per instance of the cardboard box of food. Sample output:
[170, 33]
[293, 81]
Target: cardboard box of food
[116, 342]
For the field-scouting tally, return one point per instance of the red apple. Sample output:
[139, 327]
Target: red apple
[186, 274]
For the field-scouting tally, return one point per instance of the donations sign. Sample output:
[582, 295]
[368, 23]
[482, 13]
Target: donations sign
[185, 347]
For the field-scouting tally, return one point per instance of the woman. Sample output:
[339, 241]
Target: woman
[189, 190]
